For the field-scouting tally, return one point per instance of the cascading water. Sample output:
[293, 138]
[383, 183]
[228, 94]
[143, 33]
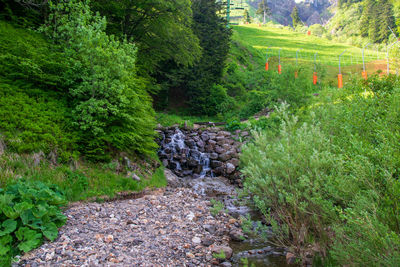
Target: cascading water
[182, 159]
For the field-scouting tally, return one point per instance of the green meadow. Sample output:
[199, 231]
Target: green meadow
[311, 49]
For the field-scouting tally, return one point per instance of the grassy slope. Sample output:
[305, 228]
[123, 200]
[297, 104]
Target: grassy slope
[278, 37]
[34, 117]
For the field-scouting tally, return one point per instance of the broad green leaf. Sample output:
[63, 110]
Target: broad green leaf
[9, 212]
[21, 207]
[30, 238]
[39, 211]
[30, 244]
[5, 246]
[50, 231]
[8, 226]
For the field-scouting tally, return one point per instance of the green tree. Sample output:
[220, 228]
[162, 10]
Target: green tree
[295, 17]
[193, 85]
[374, 23]
[263, 10]
[366, 17]
[387, 20]
[111, 107]
[246, 16]
[161, 29]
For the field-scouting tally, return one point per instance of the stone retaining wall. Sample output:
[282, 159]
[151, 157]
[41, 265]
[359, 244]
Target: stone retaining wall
[222, 147]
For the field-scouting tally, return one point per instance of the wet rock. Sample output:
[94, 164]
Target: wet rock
[192, 162]
[230, 168]
[219, 170]
[190, 143]
[216, 164]
[213, 156]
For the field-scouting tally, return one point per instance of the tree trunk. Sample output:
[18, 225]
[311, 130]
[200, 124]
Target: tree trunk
[265, 14]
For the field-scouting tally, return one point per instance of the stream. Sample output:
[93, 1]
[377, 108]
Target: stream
[192, 164]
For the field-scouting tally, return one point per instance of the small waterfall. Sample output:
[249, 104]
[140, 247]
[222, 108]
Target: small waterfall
[183, 159]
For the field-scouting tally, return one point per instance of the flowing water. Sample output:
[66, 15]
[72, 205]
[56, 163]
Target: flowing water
[184, 160]
[190, 162]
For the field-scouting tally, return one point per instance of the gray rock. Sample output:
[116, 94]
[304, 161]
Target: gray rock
[230, 168]
[207, 242]
[196, 240]
[205, 137]
[210, 228]
[200, 143]
[236, 235]
[219, 138]
[220, 150]
[226, 264]
[172, 179]
[212, 142]
[224, 157]
[215, 164]
[209, 148]
[227, 251]
[219, 170]
[190, 143]
[214, 156]
[135, 177]
[235, 162]
[165, 162]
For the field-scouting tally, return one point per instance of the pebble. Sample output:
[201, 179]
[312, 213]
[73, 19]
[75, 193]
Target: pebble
[172, 227]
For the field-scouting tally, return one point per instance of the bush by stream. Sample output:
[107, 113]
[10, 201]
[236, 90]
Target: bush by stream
[328, 182]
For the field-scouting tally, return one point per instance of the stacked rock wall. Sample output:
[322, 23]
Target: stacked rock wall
[222, 149]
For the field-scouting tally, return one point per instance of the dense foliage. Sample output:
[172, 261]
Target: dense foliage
[328, 181]
[193, 84]
[34, 109]
[29, 212]
[162, 30]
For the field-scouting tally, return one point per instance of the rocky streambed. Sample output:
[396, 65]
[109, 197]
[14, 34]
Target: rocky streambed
[172, 226]
[167, 227]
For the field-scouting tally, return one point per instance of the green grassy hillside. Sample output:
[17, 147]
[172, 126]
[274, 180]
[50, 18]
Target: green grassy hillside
[275, 38]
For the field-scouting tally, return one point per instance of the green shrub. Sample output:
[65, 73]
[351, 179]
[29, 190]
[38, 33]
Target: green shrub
[34, 109]
[329, 184]
[29, 212]
[110, 106]
[32, 123]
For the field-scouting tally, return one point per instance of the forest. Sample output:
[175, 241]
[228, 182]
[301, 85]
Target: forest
[92, 92]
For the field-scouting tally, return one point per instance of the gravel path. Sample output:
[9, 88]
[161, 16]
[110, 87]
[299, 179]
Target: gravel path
[170, 227]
